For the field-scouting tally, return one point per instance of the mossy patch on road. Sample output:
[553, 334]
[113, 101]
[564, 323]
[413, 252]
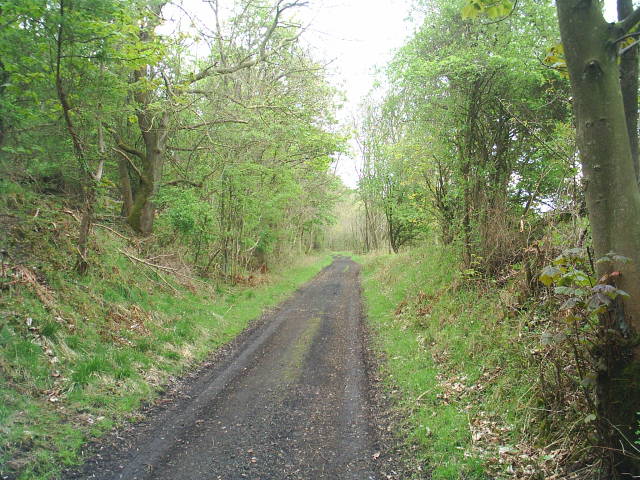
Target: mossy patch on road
[297, 352]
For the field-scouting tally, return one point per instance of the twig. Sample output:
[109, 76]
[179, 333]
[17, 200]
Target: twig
[159, 267]
[153, 265]
[419, 397]
[69, 212]
[112, 231]
[163, 279]
[162, 256]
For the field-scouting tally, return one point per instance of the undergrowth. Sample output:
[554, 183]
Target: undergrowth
[78, 355]
[464, 368]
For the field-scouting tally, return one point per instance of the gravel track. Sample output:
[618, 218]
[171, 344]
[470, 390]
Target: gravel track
[288, 401]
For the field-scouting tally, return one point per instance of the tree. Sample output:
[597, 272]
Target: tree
[73, 25]
[229, 154]
[385, 179]
[75, 46]
[476, 129]
[602, 69]
[591, 46]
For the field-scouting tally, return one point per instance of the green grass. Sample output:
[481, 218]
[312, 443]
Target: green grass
[434, 328]
[101, 345]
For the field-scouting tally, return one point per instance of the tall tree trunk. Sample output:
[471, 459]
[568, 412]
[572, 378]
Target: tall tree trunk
[154, 130]
[142, 211]
[392, 230]
[125, 186]
[86, 221]
[629, 86]
[87, 183]
[613, 201]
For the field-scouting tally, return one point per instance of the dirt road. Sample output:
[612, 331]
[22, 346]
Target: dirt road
[289, 402]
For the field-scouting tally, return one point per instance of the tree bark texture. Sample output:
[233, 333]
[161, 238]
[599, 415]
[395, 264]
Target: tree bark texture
[142, 211]
[124, 182]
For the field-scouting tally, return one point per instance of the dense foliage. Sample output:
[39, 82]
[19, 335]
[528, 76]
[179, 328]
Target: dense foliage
[230, 149]
[474, 133]
[488, 137]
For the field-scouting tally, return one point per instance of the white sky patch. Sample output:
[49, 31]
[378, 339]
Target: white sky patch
[610, 10]
[357, 36]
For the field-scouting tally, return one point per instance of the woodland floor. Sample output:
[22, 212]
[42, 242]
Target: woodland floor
[289, 400]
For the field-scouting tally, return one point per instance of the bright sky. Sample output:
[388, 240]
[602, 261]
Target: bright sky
[610, 10]
[355, 36]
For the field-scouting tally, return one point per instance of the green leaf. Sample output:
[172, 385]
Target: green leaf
[598, 302]
[569, 291]
[469, 11]
[577, 277]
[569, 303]
[549, 275]
[494, 12]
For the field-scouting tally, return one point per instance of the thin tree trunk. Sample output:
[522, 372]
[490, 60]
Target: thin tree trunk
[629, 86]
[125, 186]
[87, 186]
[366, 227]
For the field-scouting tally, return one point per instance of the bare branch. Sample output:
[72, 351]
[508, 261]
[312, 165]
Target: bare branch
[131, 150]
[175, 183]
[628, 47]
[195, 149]
[213, 122]
[628, 35]
[128, 159]
[261, 54]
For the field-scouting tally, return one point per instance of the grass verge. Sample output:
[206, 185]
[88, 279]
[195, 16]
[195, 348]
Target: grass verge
[459, 370]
